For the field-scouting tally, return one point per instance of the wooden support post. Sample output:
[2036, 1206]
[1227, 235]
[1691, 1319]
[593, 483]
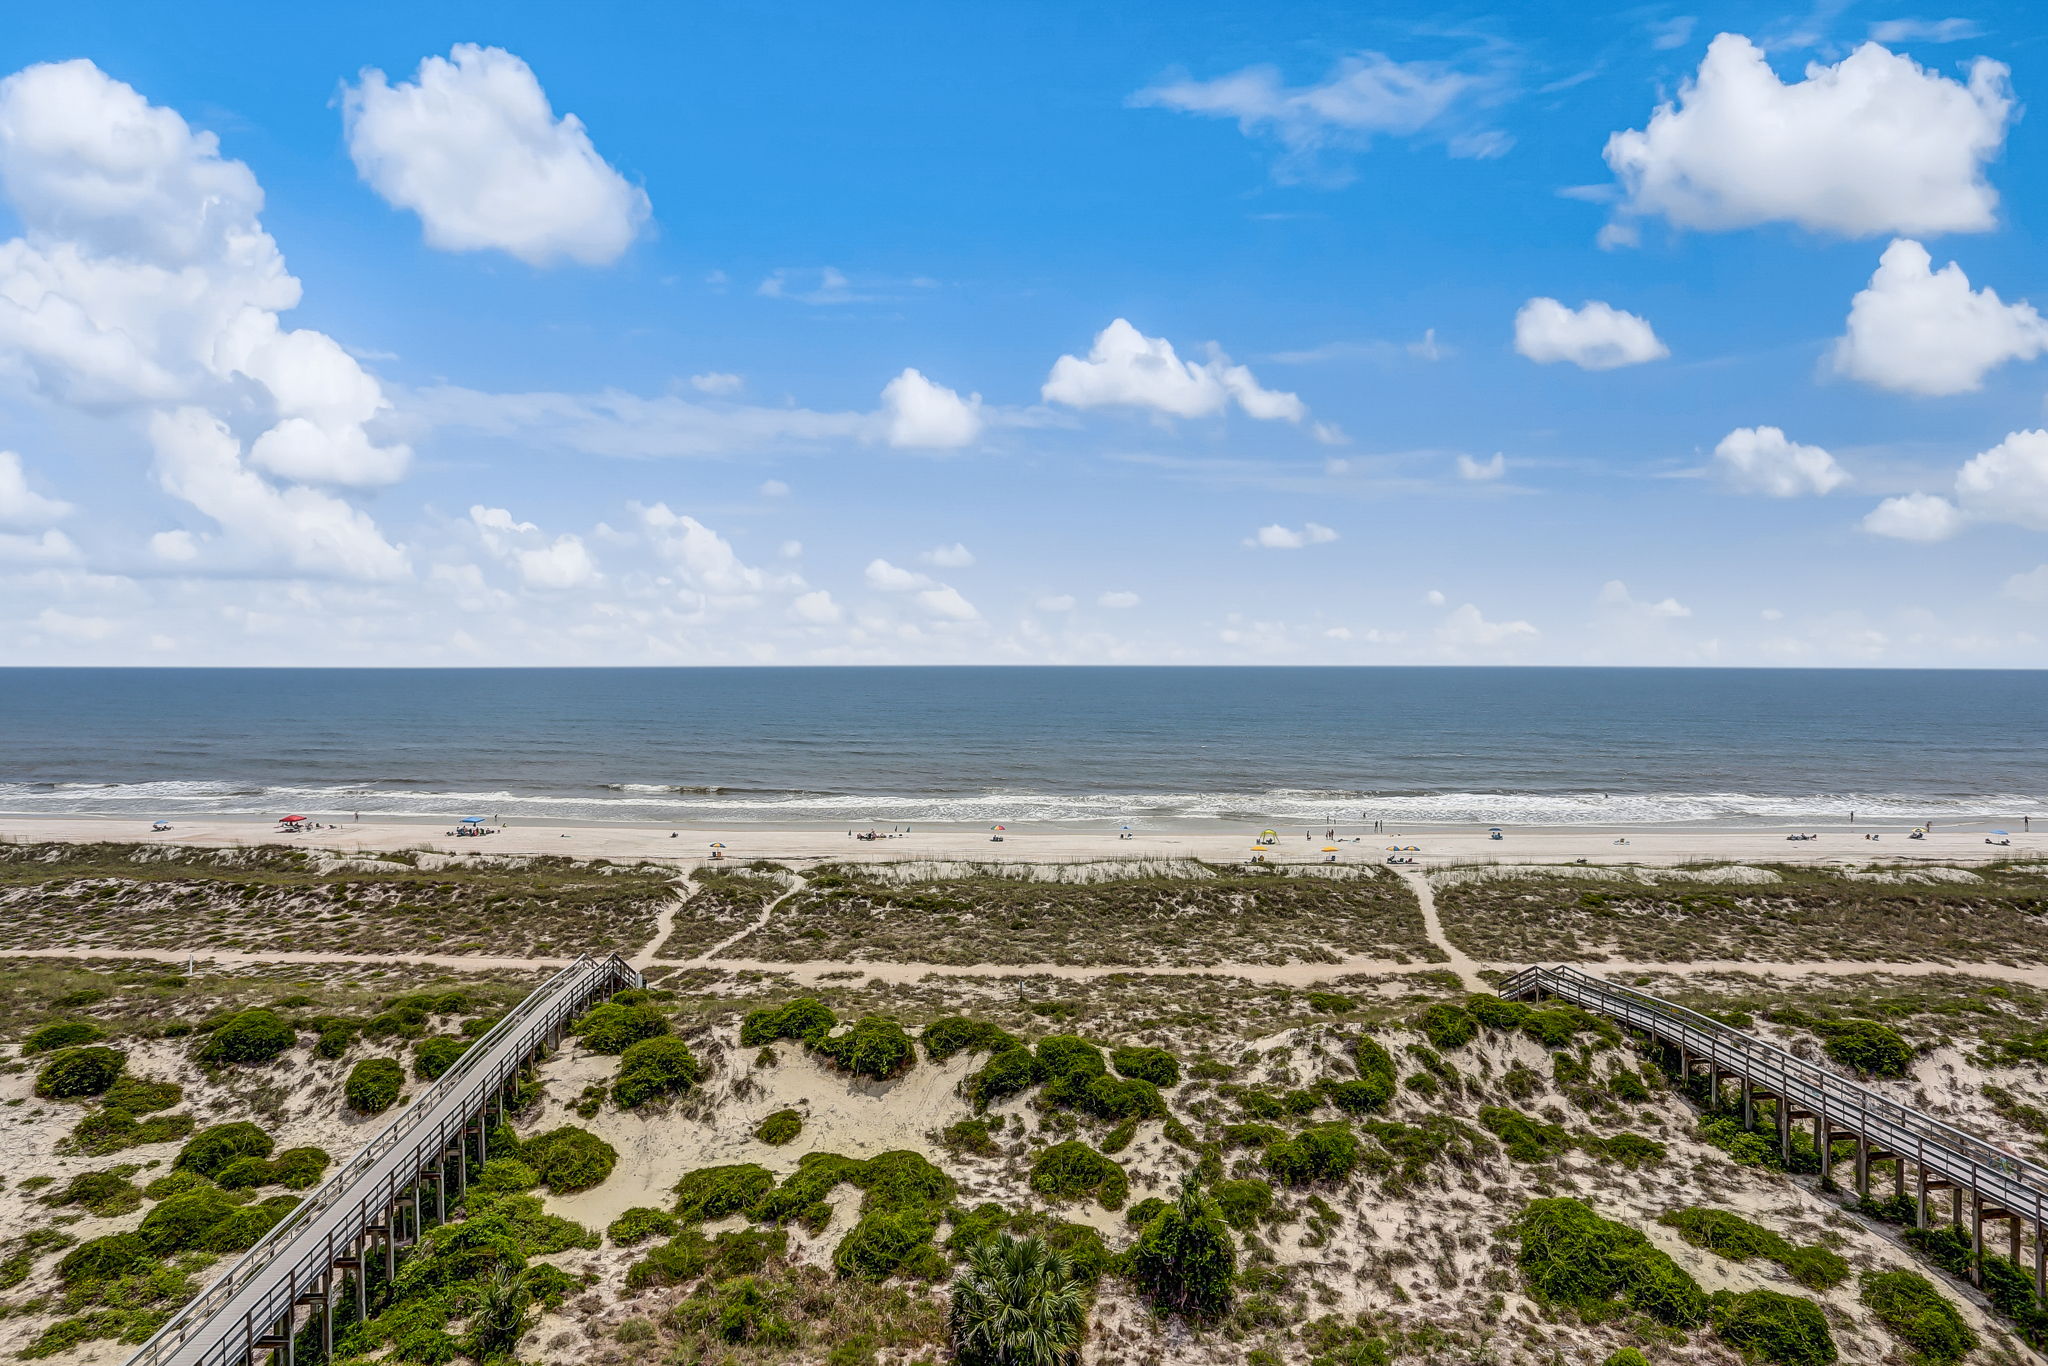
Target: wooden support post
[1976, 1239]
[1748, 1104]
[291, 1339]
[1713, 1083]
[2013, 1229]
[1862, 1166]
[390, 1249]
[1899, 1175]
[1920, 1195]
[1955, 1206]
[327, 1317]
[440, 1196]
[1783, 1110]
[1822, 1142]
[2041, 1260]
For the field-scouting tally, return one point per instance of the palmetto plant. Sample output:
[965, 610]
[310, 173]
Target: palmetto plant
[502, 1303]
[1018, 1303]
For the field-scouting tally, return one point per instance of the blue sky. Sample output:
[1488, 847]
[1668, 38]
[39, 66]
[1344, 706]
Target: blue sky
[676, 334]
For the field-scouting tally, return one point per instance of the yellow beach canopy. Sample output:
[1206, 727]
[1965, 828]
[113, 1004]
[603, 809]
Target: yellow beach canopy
[1329, 848]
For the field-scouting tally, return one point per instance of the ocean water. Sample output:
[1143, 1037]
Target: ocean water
[1023, 746]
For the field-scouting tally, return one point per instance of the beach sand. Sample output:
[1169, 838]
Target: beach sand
[1436, 845]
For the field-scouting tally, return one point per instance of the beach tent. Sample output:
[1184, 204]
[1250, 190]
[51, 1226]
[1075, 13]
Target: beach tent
[472, 820]
[289, 820]
[1267, 836]
[716, 845]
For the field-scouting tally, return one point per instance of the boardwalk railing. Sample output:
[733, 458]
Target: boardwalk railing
[2000, 1184]
[254, 1304]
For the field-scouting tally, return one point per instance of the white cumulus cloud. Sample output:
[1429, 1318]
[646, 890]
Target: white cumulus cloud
[944, 601]
[2009, 482]
[1914, 517]
[1614, 595]
[1126, 368]
[717, 382]
[954, 556]
[22, 507]
[1873, 144]
[472, 146]
[1918, 330]
[563, 563]
[1277, 537]
[892, 578]
[1762, 460]
[1466, 627]
[144, 280]
[1117, 599]
[815, 608]
[923, 414]
[1594, 336]
[50, 546]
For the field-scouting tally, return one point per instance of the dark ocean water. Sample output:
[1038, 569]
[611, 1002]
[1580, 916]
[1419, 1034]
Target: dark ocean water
[1148, 746]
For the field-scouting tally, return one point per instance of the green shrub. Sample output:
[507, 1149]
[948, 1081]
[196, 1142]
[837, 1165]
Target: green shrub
[1449, 1026]
[253, 1036]
[884, 1243]
[801, 1021]
[214, 1147]
[1155, 1065]
[1003, 1075]
[183, 1222]
[1376, 1074]
[1627, 1356]
[1321, 1152]
[682, 1258]
[373, 1084]
[639, 1224]
[569, 1159]
[653, 1068]
[1918, 1315]
[779, 1128]
[433, 1056]
[612, 1028]
[875, 1047]
[956, 1033]
[1575, 1259]
[1525, 1138]
[61, 1034]
[1072, 1170]
[242, 1229]
[1627, 1150]
[715, 1192]
[505, 1175]
[1329, 1002]
[104, 1193]
[1732, 1236]
[104, 1259]
[1495, 1012]
[1766, 1326]
[1184, 1260]
[334, 1041]
[1553, 1028]
[1868, 1047]
[75, 1073]
[294, 1169]
[1816, 1268]
[1244, 1203]
[139, 1096]
[108, 1131]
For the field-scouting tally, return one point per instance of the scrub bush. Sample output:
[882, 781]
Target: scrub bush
[103, 1259]
[1244, 1203]
[1376, 1074]
[779, 1128]
[1185, 1261]
[569, 1159]
[612, 1028]
[653, 1068]
[295, 1169]
[505, 1176]
[639, 1224]
[715, 1192]
[433, 1056]
[1866, 1046]
[1766, 1326]
[139, 1096]
[61, 1034]
[1321, 1152]
[1154, 1065]
[1525, 1138]
[105, 1193]
[215, 1146]
[875, 1047]
[1575, 1259]
[253, 1036]
[1072, 1170]
[1918, 1315]
[1003, 1075]
[75, 1073]
[801, 1021]
[1495, 1012]
[1449, 1026]
[373, 1084]
[956, 1033]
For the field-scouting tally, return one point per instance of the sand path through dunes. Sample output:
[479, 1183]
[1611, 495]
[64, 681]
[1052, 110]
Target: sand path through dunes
[664, 922]
[1278, 974]
[1433, 929]
[760, 923]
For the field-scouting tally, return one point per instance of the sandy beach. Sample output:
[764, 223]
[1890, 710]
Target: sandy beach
[1428, 846]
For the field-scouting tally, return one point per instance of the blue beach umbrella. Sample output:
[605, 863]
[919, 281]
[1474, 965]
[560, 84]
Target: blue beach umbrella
[2001, 832]
[472, 820]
